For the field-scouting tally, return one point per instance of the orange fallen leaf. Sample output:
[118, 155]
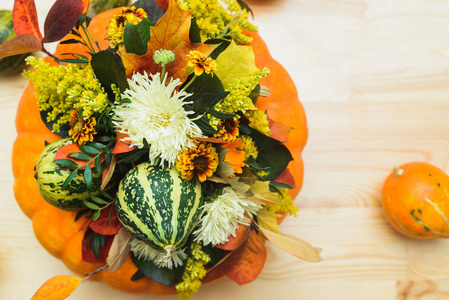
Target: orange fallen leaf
[235, 241]
[120, 145]
[171, 32]
[57, 288]
[20, 44]
[24, 18]
[246, 263]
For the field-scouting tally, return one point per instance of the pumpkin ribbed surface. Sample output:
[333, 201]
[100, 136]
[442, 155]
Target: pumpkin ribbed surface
[56, 230]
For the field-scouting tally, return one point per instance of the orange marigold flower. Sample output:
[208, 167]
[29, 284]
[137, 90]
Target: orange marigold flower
[201, 63]
[235, 156]
[229, 130]
[82, 130]
[202, 161]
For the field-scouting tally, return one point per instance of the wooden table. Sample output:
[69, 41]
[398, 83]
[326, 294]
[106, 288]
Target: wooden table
[373, 76]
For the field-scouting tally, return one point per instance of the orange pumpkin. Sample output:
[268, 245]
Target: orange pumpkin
[416, 202]
[56, 230]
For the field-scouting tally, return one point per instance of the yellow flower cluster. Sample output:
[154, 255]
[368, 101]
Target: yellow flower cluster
[194, 272]
[242, 23]
[285, 204]
[230, 21]
[205, 12]
[240, 89]
[62, 89]
[250, 147]
[258, 120]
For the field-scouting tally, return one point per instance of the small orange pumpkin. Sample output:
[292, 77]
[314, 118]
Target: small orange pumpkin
[56, 230]
[415, 200]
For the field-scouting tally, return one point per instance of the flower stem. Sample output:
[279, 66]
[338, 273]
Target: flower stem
[86, 32]
[190, 82]
[162, 73]
[88, 275]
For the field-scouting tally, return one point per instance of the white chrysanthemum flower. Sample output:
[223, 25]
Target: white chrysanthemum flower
[221, 218]
[156, 113]
[146, 252]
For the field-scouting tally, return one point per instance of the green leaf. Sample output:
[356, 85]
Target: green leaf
[98, 164]
[216, 98]
[91, 205]
[79, 155]
[71, 41]
[136, 37]
[235, 62]
[281, 185]
[107, 195]
[69, 179]
[138, 275]
[163, 276]
[96, 145]
[243, 5]
[96, 215]
[66, 163]
[72, 61]
[223, 45]
[205, 86]
[89, 150]
[98, 200]
[80, 213]
[88, 177]
[203, 124]
[221, 115]
[273, 156]
[96, 244]
[194, 33]
[136, 156]
[109, 69]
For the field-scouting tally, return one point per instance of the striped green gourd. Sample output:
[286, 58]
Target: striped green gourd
[159, 207]
[51, 176]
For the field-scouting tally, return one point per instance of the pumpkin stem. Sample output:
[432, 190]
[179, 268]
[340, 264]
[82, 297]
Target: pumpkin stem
[168, 251]
[264, 91]
[397, 172]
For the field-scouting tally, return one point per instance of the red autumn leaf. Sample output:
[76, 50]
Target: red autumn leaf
[122, 146]
[64, 151]
[171, 32]
[246, 263]
[88, 255]
[20, 44]
[24, 18]
[162, 4]
[57, 288]
[235, 241]
[61, 18]
[105, 226]
[286, 177]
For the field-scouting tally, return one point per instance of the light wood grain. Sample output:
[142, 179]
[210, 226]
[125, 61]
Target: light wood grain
[373, 76]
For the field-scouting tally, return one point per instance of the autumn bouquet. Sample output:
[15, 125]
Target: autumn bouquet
[161, 162]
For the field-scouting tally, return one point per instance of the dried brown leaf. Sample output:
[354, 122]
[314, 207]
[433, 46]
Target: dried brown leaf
[293, 245]
[119, 250]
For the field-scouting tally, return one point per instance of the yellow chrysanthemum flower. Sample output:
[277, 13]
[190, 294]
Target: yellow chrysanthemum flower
[118, 22]
[202, 161]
